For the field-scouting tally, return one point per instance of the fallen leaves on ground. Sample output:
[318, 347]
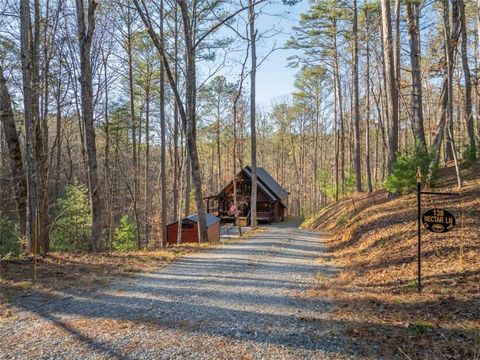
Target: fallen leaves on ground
[374, 243]
[82, 271]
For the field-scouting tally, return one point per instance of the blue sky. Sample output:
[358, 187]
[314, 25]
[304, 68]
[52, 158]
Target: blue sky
[274, 78]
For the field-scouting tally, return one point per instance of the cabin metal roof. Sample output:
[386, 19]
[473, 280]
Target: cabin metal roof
[267, 183]
[270, 182]
[260, 184]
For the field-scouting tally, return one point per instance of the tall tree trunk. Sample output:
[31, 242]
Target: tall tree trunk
[31, 114]
[472, 151]
[108, 177]
[86, 26]
[133, 124]
[396, 62]
[341, 120]
[450, 143]
[336, 133]
[391, 84]
[42, 181]
[176, 160]
[182, 184]
[58, 134]
[413, 15]
[367, 107]
[253, 135]
[15, 154]
[163, 125]
[40, 158]
[315, 148]
[356, 105]
[188, 182]
[451, 40]
[191, 119]
[450, 67]
[235, 140]
[219, 155]
[42, 141]
[477, 55]
[146, 189]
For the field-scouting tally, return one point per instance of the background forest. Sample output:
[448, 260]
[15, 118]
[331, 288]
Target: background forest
[119, 117]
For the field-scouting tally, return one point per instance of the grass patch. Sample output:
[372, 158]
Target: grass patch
[341, 222]
[419, 328]
[412, 284]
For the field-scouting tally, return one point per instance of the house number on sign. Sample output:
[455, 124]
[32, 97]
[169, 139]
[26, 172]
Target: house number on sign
[438, 220]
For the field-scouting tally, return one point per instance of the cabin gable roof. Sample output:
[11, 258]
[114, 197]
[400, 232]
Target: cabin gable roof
[260, 185]
[266, 183]
[270, 182]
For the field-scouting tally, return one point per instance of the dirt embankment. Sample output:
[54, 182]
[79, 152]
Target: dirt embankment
[374, 241]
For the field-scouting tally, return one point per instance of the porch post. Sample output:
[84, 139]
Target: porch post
[270, 211]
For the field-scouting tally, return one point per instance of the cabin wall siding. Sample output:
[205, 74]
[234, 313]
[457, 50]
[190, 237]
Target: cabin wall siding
[276, 215]
[261, 196]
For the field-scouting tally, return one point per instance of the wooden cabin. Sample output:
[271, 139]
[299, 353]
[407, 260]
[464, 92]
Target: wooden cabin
[190, 229]
[272, 198]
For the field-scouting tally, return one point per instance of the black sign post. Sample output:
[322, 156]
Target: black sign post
[436, 220]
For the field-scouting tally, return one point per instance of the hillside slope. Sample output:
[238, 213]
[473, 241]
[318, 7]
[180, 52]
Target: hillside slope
[374, 242]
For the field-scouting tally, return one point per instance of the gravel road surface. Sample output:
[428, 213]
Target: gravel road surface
[241, 300]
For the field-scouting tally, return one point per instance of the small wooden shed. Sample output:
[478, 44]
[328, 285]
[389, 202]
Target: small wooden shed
[190, 229]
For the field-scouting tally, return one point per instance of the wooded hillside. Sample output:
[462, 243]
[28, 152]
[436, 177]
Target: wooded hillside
[373, 241]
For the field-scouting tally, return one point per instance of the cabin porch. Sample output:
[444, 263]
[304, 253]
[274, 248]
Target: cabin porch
[234, 200]
[222, 208]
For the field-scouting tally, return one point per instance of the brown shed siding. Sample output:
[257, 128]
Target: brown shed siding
[214, 232]
[188, 235]
[191, 235]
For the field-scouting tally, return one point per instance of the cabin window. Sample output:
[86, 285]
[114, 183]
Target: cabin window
[187, 225]
[248, 188]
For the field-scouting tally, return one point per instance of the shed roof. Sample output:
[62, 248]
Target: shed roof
[194, 217]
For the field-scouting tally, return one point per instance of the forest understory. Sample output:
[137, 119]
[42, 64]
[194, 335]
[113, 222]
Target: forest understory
[374, 241]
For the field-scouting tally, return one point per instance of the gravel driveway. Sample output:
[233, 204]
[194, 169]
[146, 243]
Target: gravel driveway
[236, 301]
